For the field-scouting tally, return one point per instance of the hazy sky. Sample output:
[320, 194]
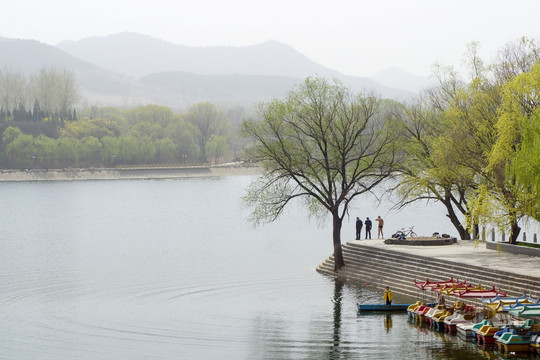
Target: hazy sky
[355, 37]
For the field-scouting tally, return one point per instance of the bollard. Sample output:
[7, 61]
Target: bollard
[524, 237]
[492, 235]
[534, 238]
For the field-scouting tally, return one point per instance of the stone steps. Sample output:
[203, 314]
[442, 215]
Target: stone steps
[380, 268]
[435, 269]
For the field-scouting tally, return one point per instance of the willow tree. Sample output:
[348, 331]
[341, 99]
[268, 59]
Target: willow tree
[429, 172]
[515, 157]
[486, 121]
[209, 121]
[322, 144]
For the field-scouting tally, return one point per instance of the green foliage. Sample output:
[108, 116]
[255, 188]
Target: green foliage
[153, 118]
[167, 152]
[71, 151]
[10, 134]
[57, 136]
[474, 147]
[20, 151]
[429, 170]
[98, 128]
[209, 122]
[216, 147]
[111, 137]
[517, 149]
[532, 245]
[321, 143]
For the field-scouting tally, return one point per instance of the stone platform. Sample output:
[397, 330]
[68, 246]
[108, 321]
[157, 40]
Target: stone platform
[378, 264]
[421, 241]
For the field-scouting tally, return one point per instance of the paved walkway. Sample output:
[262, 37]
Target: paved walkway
[465, 251]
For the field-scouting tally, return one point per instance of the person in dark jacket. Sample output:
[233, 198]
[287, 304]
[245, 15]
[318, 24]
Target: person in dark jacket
[368, 228]
[359, 225]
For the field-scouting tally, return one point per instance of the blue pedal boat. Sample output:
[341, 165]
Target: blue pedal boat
[384, 307]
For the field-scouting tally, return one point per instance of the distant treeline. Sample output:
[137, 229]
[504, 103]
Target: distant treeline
[21, 114]
[49, 94]
[107, 137]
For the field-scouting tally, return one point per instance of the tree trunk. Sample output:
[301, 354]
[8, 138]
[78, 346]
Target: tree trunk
[463, 233]
[476, 231]
[514, 232]
[336, 235]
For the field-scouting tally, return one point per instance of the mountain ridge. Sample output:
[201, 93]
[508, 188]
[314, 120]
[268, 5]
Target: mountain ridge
[131, 67]
[399, 78]
[152, 55]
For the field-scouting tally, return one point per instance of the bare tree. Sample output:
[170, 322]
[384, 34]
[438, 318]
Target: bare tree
[322, 144]
[12, 89]
[55, 89]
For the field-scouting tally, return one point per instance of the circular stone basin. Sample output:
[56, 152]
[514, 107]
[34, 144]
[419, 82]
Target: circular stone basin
[421, 241]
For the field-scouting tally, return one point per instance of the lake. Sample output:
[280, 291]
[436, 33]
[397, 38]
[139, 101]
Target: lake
[170, 269]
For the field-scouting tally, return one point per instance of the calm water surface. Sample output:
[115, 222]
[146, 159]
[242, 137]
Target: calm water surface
[171, 270]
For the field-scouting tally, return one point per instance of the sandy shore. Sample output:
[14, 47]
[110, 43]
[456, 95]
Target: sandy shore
[157, 172]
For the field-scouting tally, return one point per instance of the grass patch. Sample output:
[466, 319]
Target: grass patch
[532, 245]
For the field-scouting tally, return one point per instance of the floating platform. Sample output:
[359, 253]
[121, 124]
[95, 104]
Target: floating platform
[422, 241]
[382, 307]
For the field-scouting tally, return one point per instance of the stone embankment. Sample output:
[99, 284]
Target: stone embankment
[380, 267]
[132, 172]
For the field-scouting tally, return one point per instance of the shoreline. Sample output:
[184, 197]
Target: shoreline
[123, 173]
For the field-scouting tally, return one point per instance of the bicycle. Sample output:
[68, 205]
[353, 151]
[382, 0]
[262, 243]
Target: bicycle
[405, 232]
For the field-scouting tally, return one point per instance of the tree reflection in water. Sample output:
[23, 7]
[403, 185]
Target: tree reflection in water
[337, 299]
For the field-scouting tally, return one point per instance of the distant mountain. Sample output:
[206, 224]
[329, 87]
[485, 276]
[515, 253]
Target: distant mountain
[139, 55]
[251, 88]
[29, 56]
[397, 78]
[130, 69]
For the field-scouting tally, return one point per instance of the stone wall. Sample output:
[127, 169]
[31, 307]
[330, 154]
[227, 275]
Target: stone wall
[132, 172]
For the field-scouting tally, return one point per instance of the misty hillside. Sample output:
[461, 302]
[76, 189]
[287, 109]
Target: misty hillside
[177, 90]
[139, 55]
[221, 87]
[400, 79]
[129, 69]
[29, 56]
[149, 55]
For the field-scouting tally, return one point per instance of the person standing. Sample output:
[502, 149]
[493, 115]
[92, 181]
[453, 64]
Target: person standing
[380, 227]
[368, 227]
[388, 296]
[359, 225]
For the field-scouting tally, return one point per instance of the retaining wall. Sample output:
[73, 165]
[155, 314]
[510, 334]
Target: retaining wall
[514, 249]
[150, 172]
[380, 268]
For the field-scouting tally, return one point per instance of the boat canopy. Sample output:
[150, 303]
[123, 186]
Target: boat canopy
[459, 289]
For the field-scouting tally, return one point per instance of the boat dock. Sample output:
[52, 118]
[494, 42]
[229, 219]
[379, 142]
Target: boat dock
[379, 264]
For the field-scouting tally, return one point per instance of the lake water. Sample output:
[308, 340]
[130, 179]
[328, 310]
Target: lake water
[171, 270]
